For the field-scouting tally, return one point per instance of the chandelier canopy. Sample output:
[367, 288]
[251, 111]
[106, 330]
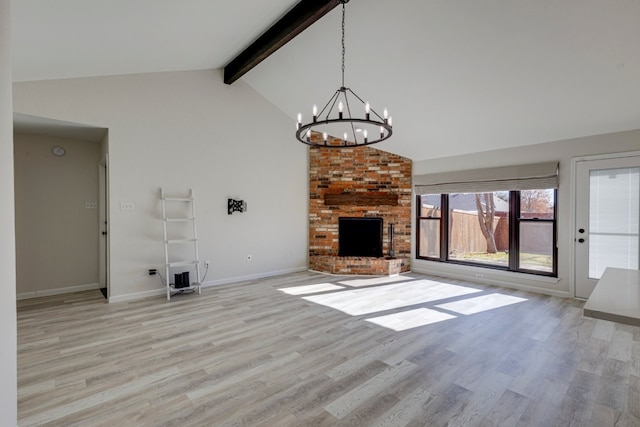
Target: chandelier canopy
[345, 120]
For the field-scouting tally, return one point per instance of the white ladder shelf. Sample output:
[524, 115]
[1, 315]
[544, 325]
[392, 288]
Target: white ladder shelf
[182, 240]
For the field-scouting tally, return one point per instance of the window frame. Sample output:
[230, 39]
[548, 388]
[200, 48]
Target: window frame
[515, 219]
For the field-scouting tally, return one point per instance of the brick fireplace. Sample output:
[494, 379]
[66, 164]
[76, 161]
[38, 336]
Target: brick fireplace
[358, 182]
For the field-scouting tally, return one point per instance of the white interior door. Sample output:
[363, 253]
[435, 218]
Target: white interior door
[607, 218]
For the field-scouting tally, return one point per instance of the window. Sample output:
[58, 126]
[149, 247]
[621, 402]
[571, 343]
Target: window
[430, 215]
[537, 230]
[508, 230]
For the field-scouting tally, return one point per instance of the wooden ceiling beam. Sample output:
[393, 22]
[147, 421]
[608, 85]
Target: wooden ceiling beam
[303, 15]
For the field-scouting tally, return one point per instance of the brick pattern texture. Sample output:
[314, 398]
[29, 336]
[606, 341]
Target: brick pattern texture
[357, 170]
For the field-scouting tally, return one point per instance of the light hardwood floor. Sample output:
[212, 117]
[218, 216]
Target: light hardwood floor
[252, 354]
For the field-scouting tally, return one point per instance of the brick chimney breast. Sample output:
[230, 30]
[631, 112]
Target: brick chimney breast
[358, 182]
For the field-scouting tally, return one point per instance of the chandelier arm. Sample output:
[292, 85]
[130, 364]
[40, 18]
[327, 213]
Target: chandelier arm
[331, 101]
[346, 101]
[361, 100]
[333, 104]
[353, 128]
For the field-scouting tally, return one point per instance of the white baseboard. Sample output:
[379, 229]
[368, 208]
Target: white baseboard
[236, 279]
[207, 284]
[59, 291]
[510, 280]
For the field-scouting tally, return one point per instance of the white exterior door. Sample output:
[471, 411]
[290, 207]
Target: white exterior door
[607, 218]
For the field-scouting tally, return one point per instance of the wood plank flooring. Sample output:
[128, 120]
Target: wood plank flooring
[249, 354]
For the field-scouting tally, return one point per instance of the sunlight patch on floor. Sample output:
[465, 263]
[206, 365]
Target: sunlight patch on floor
[410, 319]
[358, 283]
[311, 289]
[381, 298]
[481, 303]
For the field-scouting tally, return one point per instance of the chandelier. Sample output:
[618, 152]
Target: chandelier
[345, 120]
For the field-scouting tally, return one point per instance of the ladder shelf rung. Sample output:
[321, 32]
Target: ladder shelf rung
[194, 285]
[178, 199]
[179, 219]
[182, 263]
[175, 241]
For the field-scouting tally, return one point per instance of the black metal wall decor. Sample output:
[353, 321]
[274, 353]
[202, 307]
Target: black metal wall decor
[344, 129]
[236, 206]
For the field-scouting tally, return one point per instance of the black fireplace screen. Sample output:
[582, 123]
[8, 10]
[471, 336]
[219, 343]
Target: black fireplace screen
[360, 237]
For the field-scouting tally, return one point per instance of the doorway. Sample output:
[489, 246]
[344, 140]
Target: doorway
[60, 209]
[607, 217]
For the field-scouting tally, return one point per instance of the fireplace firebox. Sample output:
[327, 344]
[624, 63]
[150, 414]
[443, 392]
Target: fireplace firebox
[360, 237]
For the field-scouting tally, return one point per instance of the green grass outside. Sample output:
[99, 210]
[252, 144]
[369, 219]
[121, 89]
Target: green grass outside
[527, 261]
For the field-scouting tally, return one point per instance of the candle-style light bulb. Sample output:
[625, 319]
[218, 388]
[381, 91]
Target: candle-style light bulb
[390, 121]
[324, 136]
[340, 106]
[315, 112]
[364, 133]
[381, 132]
[308, 135]
[367, 108]
[299, 124]
[345, 137]
[385, 114]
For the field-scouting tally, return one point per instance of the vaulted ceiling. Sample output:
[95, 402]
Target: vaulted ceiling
[457, 76]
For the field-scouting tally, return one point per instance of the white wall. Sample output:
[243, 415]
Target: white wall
[56, 235]
[561, 151]
[184, 130]
[8, 343]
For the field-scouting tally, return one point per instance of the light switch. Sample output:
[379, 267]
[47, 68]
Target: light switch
[127, 206]
[91, 205]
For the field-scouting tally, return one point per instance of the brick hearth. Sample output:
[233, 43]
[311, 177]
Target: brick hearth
[358, 182]
[359, 265]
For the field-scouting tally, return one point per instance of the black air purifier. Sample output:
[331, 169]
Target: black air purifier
[185, 280]
[179, 281]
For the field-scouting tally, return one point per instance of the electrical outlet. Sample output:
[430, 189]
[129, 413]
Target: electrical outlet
[479, 276]
[91, 205]
[127, 206]
[152, 272]
[248, 257]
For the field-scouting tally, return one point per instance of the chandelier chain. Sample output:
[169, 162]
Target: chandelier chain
[343, 49]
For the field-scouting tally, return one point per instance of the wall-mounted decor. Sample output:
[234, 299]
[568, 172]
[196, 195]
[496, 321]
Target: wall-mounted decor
[236, 206]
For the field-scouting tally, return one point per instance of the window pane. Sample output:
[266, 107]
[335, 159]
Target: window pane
[479, 227]
[537, 203]
[429, 238]
[614, 206]
[430, 206]
[536, 246]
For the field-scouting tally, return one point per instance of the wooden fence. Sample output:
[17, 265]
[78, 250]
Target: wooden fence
[466, 236]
